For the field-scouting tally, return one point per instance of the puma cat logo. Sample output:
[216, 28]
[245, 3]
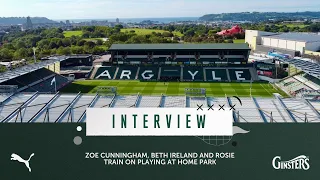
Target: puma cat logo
[15, 157]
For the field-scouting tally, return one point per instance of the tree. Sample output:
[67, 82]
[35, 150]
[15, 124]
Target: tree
[45, 52]
[86, 34]
[9, 46]
[190, 32]
[20, 44]
[66, 42]
[167, 34]
[21, 53]
[44, 44]
[6, 54]
[81, 42]
[98, 50]
[90, 44]
[99, 42]
[53, 45]
[64, 51]
[77, 50]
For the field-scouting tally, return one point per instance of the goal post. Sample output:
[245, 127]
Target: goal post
[107, 90]
[197, 92]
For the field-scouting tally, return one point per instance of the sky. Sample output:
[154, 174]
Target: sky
[106, 9]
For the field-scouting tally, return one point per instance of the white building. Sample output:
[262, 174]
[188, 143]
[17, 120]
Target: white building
[296, 43]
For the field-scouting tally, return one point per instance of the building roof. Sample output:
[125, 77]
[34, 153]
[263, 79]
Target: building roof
[303, 37]
[104, 58]
[240, 46]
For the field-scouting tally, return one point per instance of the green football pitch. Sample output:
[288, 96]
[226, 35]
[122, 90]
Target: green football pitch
[127, 87]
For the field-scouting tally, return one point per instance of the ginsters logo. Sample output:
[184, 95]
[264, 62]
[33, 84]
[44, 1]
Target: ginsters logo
[300, 162]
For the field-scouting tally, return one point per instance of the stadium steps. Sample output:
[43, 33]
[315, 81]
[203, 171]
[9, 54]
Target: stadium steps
[259, 110]
[137, 74]
[312, 107]
[208, 102]
[138, 100]
[187, 101]
[37, 114]
[279, 111]
[64, 113]
[7, 99]
[277, 96]
[254, 74]
[115, 74]
[162, 100]
[159, 73]
[113, 101]
[93, 73]
[84, 114]
[235, 119]
[228, 75]
[204, 74]
[15, 112]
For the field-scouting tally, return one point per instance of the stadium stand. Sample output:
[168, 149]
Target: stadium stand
[150, 101]
[14, 103]
[247, 112]
[300, 110]
[170, 73]
[191, 73]
[125, 101]
[127, 72]
[29, 78]
[175, 101]
[103, 102]
[148, 73]
[216, 74]
[69, 108]
[305, 65]
[55, 109]
[5, 76]
[197, 101]
[103, 72]
[271, 111]
[78, 108]
[38, 80]
[239, 74]
[299, 83]
[33, 107]
[46, 87]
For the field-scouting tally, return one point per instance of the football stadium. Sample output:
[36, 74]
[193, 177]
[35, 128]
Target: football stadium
[60, 88]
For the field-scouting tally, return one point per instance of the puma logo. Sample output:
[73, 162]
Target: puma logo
[15, 157]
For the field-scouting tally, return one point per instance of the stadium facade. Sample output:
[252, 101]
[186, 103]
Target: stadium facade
[178, 62]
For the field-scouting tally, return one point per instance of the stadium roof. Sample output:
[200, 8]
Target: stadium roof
[240, 46]
[5, 76]
[308, 66]
[303, 37]
[39, 107]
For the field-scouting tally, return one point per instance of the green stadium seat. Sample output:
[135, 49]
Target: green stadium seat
[105, 72]
[170, 73]
[127, 72]
[148, 73]
[192, 73]
[239, 74]
[216, 75]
